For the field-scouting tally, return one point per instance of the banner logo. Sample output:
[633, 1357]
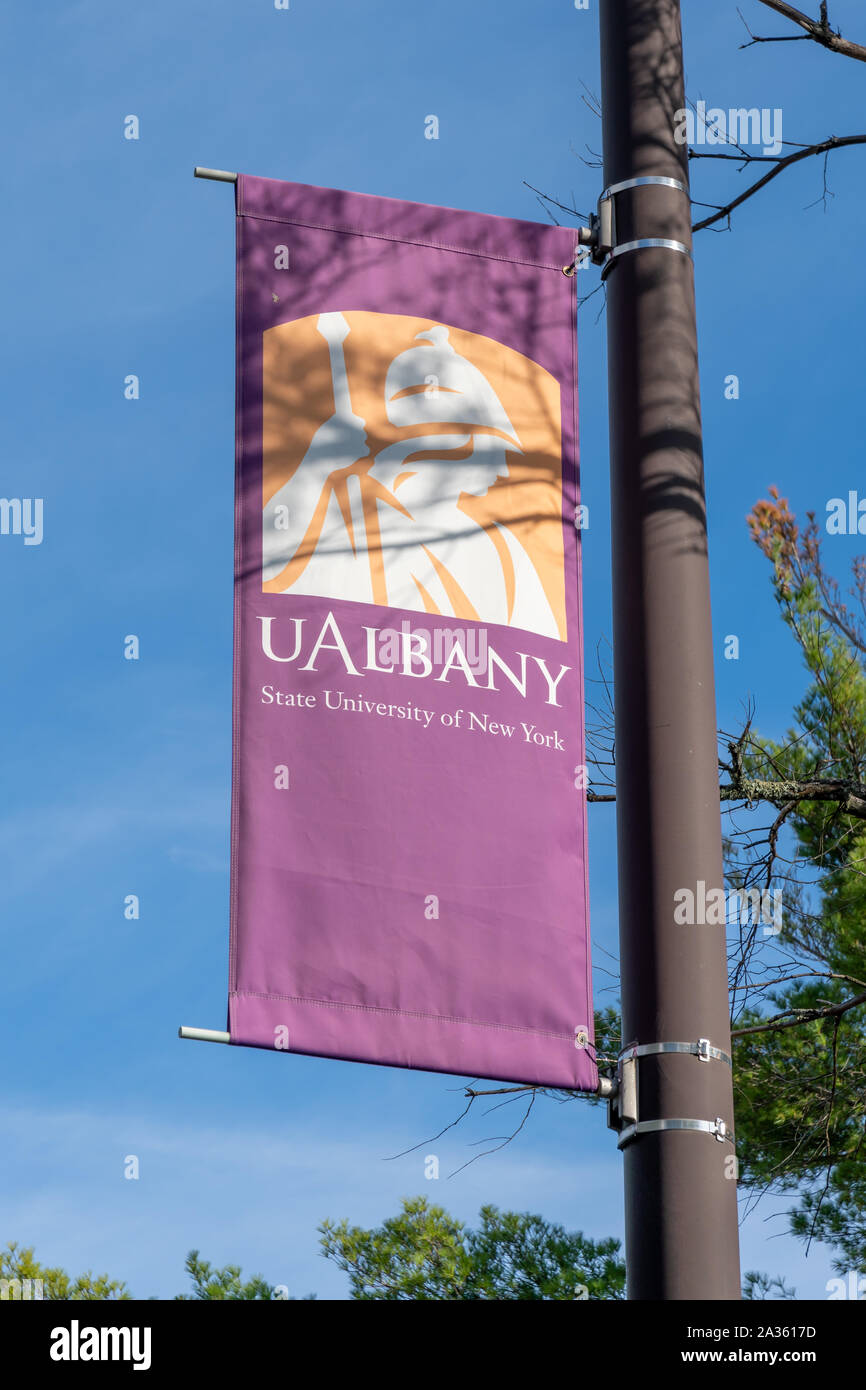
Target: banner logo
[411, 464]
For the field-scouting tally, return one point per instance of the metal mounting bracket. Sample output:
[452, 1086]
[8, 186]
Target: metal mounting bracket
[623, 1113]
[600, 239]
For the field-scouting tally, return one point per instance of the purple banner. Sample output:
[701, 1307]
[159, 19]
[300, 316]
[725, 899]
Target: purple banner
[408, 805]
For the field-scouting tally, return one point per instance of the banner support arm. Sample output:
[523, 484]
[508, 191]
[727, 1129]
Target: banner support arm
[204, 1035]
[220, 175]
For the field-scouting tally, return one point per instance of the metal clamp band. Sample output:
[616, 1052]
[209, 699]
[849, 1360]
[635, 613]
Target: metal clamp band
[702, 1049]
[654, 242]
[640, 183]
[717, 1128]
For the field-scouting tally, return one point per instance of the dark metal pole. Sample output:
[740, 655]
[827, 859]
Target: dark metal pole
[680, 1189]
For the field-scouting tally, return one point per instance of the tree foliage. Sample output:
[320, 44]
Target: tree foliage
[228, 1283]
[800, 999]
[22, 1276]
[210, 1283]
[765, 1286]
[426, 1254]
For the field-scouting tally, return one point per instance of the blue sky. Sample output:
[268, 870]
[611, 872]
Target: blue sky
[116, 773]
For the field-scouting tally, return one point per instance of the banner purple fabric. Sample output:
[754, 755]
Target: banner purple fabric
[408, 807]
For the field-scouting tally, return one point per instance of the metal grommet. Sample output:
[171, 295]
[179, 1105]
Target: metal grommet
[569, 269]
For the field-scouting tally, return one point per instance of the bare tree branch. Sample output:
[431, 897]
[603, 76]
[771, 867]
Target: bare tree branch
[793, 1018]
[850, 797]
[816, 29]
[500, 1091]
[835, 142]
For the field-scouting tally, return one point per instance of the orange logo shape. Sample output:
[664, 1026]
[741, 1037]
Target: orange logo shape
[412, 464]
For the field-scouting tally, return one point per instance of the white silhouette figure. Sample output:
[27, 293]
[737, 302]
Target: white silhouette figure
[427, 539]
